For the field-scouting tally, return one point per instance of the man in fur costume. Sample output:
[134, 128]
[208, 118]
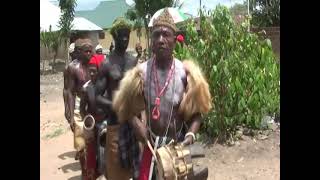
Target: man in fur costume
[75, 76]
[174, 94]
[118, 139]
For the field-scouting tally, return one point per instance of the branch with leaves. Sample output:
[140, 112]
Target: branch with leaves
[68, 8]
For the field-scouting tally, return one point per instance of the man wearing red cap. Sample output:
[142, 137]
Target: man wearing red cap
[94, 167]
[98, 57]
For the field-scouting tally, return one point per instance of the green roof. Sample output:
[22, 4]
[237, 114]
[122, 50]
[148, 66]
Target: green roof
[105, 13]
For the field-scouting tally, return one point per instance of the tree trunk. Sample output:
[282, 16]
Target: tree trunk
[68, 57]
[147, 33]
[54, 62]
[43, 63]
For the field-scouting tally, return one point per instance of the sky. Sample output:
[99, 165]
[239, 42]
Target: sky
[190, 6]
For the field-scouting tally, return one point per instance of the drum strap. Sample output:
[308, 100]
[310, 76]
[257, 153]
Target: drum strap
[156, 144]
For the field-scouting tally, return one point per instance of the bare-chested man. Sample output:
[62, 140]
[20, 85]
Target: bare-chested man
[164, 95]
[111, 72]
[75, 76]
[139, 56]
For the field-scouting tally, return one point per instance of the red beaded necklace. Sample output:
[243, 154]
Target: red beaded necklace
[159, 93]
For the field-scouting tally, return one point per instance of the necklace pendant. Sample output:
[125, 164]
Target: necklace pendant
[157, 101]
[155, 113]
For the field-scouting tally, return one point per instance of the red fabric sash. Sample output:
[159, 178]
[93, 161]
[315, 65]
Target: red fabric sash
[90, 167]
[145, 164]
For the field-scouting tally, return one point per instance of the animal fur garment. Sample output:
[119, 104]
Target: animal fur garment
[197, 98]
[79, 140]
[128, 99]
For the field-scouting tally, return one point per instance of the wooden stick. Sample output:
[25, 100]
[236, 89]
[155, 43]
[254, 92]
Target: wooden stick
[152, 151]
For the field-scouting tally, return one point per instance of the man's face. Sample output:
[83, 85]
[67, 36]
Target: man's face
[85, 53]
[99, 51]
[139, 50]
[122, 39]
[93, 71]
[163, 41]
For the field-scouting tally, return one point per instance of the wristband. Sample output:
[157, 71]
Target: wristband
[191, 134]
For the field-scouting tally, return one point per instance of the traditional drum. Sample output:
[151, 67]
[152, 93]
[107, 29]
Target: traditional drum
[175, 163]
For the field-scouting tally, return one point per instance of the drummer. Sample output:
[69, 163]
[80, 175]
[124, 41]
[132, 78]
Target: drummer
[170, 116]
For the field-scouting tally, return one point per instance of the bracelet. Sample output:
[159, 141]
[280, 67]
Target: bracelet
[192, 134]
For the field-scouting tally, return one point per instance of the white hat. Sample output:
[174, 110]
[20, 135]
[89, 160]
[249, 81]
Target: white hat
[71, 48]
[98, 47]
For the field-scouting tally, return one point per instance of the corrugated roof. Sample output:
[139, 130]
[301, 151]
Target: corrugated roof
[82, 24]
[105, 13]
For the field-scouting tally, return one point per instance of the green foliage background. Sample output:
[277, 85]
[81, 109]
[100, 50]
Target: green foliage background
[241, 68]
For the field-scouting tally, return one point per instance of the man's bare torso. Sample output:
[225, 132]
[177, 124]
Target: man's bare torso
[80, 75]
[110, 75]
[113, 69]
[172, 96]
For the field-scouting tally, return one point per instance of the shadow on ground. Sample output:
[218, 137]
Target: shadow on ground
[75, 178]
[70, 154]
[71, 167]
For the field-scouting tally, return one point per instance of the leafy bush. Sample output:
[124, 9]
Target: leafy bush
[180, 52]
[242, 71]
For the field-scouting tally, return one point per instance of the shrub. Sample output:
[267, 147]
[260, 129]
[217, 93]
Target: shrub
[241, 69]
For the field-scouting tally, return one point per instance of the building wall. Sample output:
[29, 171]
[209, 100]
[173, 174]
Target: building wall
[63, 51]
[273, 33]
[46, 55]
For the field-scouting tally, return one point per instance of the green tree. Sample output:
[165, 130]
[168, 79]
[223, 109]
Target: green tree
[68, 8]
[242, 72]
[51, 40]
[131, 14]
[45, 42]
[265, 13]
[55, 43]
[238, 9]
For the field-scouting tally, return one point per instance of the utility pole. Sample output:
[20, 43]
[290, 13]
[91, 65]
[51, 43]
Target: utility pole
[248, 15]
[200, 16]
[200, 9]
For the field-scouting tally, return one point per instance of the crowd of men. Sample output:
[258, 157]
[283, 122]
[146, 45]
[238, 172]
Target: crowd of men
[126, 116]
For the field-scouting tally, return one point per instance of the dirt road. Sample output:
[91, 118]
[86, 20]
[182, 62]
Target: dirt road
[249, 159]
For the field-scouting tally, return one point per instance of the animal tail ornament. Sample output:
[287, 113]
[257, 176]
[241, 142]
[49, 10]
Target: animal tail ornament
[197, 98]
[128, 100]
